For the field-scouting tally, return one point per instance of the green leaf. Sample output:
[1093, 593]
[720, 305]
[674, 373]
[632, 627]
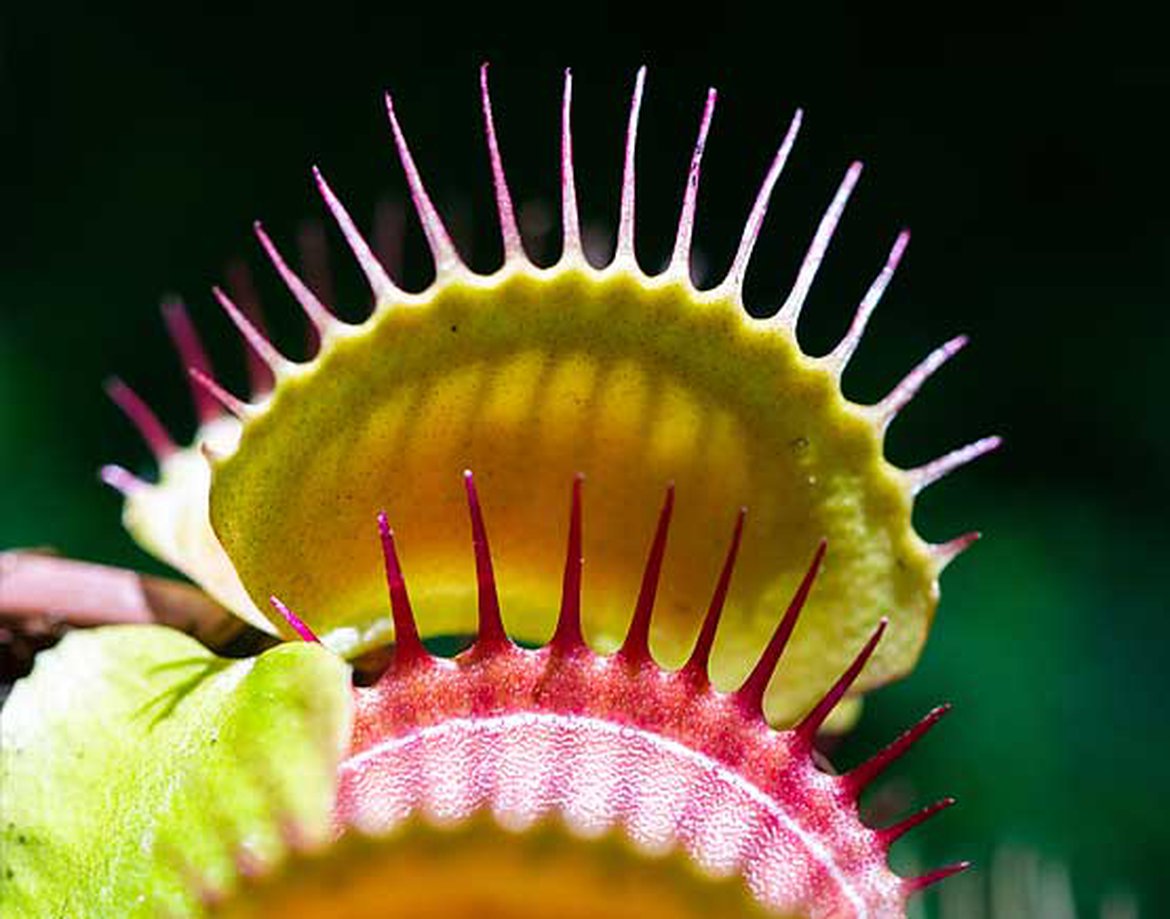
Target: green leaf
[138, 770]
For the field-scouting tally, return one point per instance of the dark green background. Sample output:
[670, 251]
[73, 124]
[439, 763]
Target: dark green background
[1025, 150]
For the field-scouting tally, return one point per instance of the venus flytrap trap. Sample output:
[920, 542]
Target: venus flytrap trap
[624, 761]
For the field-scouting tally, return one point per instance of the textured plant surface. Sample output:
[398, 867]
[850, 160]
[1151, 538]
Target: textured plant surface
[627, 763]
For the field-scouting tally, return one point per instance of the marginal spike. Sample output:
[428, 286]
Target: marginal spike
[408, 647]
[235, 406]
[380, 284]
[570, 220]
[919, 884]
[891, 834]
[242, 289]
[157, 438]
[120, 479]
[750, 695]
[931, 472]
[811, 723]
[899, 397]
[568, 636]
[191, 353]
[840, 356]
[755, 221]
[625, 237]
[789, 313]
[249, 864]
[279, 364]
[513, 245]
[315, 310]
[438, 239]
[294, 621]
[860, 777]
[697, 666]
[491, 625]
[680, 259]
[947, 552]
[636, 648]
[210, 454]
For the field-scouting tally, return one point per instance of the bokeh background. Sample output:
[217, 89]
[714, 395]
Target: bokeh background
[1025, 149]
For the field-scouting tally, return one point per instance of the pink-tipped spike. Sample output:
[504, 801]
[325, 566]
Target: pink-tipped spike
[513, 245]
[408, 647]
[625, 238]
[570, 220]
[568, 636]
[750, 695]
[235, 406]
[191, 353]
[636, 647]
[315, 310]
[899, 397]
[122, 480]
[389, 233]
[891, 834]
[811, 723]
[789, 313]
[294, 621]
[264, 349]
[700, 659]
[919, 884]
[947, 552]
[931, 472]
[751, 230]
[442, 249]
[840, 356]
[380, 284]
[146, 421]
[491, 625]
[860, 778]
[680, 259]
[242, 289]
[313, 251]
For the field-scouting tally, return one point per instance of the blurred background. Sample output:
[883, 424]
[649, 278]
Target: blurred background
[1025, 149]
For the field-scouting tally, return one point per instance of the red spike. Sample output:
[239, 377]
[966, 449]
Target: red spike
[243, 291]
[249, 864]
[891, 834]
[408, 646]
[513, 246]
[697, 666]
[928, 474]
[860, 777]
[237, 407]
[120, 479]
[636, 648]
[901, 395]
[320, 319]
[381, 286]
[191, 353]
[568, 636]
[491, 626]
[947, 552]
[264, 349]
[751, 694]
[808, 727]
[295, 622]
[919, 884]
[146, 421]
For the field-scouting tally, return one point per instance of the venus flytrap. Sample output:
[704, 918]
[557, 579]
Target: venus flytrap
[631, 743]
